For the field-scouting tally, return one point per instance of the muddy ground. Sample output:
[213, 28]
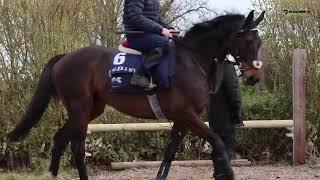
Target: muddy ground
[204, 173]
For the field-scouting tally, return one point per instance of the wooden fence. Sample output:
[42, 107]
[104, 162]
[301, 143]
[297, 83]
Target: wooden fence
[297, 125]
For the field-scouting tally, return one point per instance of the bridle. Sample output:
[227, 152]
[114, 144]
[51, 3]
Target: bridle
[256, 64]
[235, 58]
[231, 58]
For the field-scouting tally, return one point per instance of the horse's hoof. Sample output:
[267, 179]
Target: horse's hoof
[161, 178]
[229, 176]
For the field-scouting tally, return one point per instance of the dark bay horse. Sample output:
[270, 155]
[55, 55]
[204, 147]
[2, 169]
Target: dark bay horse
[80, 80]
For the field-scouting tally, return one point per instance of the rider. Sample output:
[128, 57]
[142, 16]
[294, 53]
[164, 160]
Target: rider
[144, 15]
[225, 108]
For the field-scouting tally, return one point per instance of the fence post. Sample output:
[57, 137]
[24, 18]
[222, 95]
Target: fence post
[299, 105]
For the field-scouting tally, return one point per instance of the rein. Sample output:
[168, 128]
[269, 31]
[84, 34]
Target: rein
[215, 60]
[229, 59]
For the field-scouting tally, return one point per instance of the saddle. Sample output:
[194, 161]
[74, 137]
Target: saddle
[124, 47]
[148, 56]
[127, 60]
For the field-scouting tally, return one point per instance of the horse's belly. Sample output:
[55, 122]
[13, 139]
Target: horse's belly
[133, 105]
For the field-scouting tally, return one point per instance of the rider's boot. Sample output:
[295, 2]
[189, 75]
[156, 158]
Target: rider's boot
[140, 78]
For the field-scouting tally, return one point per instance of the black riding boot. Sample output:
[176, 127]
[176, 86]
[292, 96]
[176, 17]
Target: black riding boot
[139, 78]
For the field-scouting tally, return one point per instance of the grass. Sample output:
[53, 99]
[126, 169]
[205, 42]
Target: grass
[41, 173]
[24, 175]
[14, 176]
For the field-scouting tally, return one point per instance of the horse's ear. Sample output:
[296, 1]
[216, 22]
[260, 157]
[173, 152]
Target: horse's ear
[249, 20]
[259, 19]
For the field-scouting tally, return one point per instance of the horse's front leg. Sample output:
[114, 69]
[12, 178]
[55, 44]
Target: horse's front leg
[175, 140]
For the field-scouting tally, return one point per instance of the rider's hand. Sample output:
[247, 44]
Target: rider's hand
[174, 32]
[167, 33]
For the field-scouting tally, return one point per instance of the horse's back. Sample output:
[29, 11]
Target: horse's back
[87, 55]
[83, 69]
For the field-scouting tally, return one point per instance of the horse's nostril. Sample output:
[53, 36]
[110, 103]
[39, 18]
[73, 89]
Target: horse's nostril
[252, 80]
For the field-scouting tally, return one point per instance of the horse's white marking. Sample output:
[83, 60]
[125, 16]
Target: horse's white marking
[257, 64]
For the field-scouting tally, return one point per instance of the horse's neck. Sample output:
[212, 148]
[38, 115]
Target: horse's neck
[199, 58]
[198, 66]
[189, 79]
[191, 67]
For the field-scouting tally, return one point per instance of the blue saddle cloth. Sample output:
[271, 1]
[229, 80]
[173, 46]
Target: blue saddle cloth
[124, 65]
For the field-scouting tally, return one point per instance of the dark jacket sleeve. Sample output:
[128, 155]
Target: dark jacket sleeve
[168, 26]
[134, 14]
[232, 92]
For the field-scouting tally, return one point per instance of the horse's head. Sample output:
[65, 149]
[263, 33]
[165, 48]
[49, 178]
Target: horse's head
[232, 34]
[244, 47]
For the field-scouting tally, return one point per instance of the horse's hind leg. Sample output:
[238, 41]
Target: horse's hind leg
[78, 150]
[79, 116]
[97, 110]
[219, 154]
[170, 152]
[78, 139]
[61, 141]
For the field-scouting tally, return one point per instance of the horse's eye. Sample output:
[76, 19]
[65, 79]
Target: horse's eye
[257, 64]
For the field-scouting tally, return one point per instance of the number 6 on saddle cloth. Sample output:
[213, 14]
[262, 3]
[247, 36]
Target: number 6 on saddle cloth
[158, 66]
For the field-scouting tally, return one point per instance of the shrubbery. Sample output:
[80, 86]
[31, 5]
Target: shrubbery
[255, 143]
[128, 146]
[36, 36]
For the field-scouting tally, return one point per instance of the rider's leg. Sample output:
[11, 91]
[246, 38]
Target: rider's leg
[151, 45]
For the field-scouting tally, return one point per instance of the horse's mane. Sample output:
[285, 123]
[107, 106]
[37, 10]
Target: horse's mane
[223, 24]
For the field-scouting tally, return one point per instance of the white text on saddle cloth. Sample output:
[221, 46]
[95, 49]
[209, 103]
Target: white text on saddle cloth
[120, 65]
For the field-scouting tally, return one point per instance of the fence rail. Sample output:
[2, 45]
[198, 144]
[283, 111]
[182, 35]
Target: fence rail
[168, 126]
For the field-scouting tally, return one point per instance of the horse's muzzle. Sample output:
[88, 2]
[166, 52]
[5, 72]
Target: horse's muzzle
[251, 81]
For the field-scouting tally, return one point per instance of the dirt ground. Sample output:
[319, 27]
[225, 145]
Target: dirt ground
[205, 173]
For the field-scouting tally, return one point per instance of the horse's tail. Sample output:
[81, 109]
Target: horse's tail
[38, 104]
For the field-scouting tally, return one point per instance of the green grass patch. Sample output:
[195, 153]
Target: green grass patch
[23, 176]
[65, 174]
